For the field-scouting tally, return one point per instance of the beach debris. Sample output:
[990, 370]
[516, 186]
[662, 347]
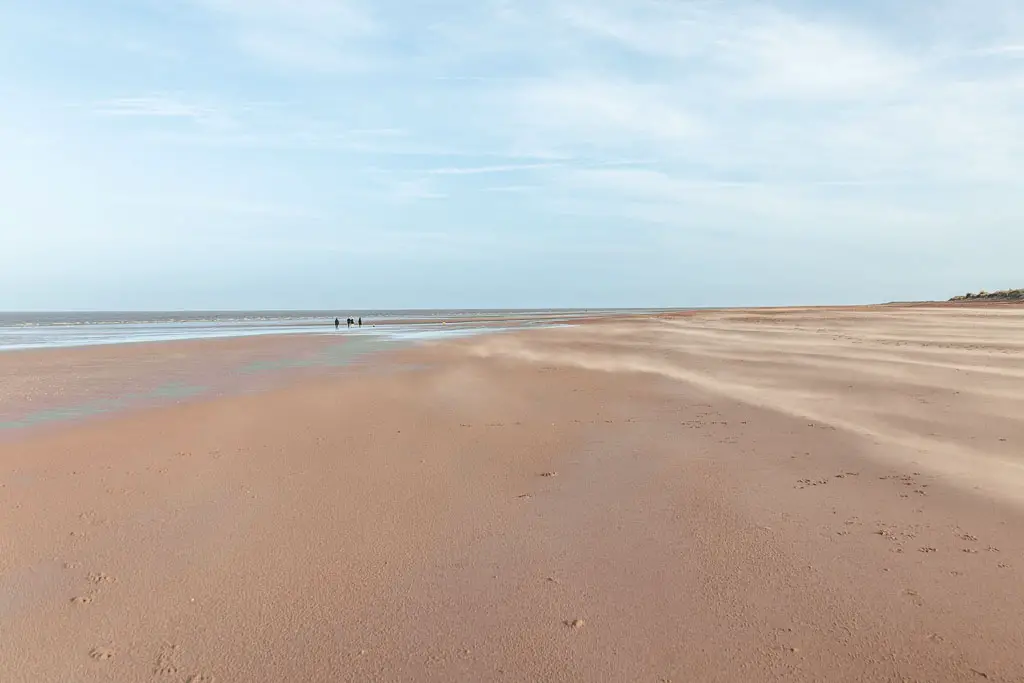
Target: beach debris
[575, 623]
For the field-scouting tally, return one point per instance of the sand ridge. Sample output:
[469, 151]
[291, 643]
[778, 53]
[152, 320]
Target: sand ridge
[890, 377]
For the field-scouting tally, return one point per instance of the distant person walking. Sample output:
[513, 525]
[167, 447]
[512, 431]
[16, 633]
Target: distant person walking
[360, 321]
[337, 323]
[349, 322]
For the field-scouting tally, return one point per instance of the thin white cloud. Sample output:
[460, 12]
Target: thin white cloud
[754, 49]
[481, 170]
[739, 88]
[325, 17]
[677, 30]
[410, 191]
[1007, 50]
[321, 35]
[513, 189]
[779, 56]
[599, 113]
[156, 106]
[758, 210]
[214, 205]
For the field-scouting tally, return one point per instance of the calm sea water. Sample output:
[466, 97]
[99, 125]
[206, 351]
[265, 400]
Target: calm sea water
[49, 330]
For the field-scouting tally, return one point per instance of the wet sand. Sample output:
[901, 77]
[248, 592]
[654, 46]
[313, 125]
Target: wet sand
[799, 495]
[48, 387]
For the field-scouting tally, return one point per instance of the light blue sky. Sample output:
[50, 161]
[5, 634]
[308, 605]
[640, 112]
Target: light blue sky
[390, 153]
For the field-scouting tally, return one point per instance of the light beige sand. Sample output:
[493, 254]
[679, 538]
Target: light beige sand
[736, 496]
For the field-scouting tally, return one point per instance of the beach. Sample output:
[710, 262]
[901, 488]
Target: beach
[741, 495]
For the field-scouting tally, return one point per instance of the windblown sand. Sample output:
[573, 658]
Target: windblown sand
[796, 495]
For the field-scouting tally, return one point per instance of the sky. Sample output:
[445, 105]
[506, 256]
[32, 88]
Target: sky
[260, 154]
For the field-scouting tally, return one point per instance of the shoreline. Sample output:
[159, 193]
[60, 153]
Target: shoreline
[394, 331]
[400, 327]
[799, 495]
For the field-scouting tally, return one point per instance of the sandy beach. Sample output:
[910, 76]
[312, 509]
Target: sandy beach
[757, 495]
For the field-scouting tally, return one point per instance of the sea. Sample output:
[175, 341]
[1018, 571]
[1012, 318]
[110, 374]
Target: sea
[68, 329]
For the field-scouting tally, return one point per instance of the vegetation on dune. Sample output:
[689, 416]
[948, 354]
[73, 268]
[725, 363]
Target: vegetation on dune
[1001, 295]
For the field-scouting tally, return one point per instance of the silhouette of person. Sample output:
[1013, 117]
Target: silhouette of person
[360, 321]
[349, 321]
[337, 323]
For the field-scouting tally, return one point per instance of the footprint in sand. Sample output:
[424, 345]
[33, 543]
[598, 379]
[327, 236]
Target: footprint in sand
[165, 670]
[201, 678]
[165, 661]
[549, 474]
[91, 518]
[101, 654]
[575, 624]
[83, 600]
[100, 577]
[914, 597]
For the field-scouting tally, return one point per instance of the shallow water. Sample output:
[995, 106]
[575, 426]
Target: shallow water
[61, 330]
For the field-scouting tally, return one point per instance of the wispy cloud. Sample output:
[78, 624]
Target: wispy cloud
[201, 205]
[159, 107]
[481, 170]
[409, 191]
[1007, 50]
[603, 113]
[322, 35]
[513, 189]
[755, 211]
